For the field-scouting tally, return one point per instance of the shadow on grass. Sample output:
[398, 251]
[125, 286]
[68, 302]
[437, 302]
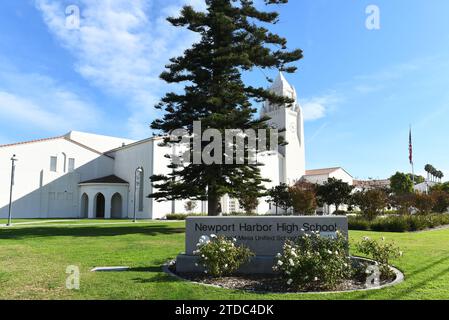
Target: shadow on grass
[87, 231]
[409, 276]
[156, 278]
[145, 269]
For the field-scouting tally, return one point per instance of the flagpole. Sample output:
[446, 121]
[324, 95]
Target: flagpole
[411, 156]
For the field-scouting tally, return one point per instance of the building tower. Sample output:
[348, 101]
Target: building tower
[292, 160]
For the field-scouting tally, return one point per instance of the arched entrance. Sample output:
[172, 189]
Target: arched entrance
[116, 206]
[84, 206]
[99, 205]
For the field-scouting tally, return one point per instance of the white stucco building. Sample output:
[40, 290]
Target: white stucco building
[83, 175]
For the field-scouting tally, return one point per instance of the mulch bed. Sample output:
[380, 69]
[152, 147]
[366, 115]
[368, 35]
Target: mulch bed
[263, 283]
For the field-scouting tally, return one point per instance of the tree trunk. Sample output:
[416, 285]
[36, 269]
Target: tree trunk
[212, 202]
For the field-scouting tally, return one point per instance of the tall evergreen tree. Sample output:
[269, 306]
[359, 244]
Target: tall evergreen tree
[233, 41]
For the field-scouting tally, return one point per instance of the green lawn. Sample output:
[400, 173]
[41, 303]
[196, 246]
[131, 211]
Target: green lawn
[33, 260]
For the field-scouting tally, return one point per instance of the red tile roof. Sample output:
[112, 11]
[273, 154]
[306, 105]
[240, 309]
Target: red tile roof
[317, 172]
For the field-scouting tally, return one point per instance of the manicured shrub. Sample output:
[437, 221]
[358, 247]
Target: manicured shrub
[220, 256]
[402, 223]
[390, 224]
[314, 262]
[358, 223]
[182, 216]
[382, 252]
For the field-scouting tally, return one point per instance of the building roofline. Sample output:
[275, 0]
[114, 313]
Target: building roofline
[31, 141]
[134, 144]
[329, 170]
[88, 148]
[111, 179]
[65, 137]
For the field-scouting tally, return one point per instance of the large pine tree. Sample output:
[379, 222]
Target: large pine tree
[233, 40]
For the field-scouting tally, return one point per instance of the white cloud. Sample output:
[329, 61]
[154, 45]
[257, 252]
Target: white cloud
[317, 107]
[38, 102]
[121, 47]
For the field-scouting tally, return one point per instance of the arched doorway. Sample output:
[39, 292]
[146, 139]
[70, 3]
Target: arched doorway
[84, 206]
[99, 205]
[116, 206]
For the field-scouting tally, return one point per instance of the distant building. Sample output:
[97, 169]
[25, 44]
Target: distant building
[424, 186]
[371, 184]
[321, 176]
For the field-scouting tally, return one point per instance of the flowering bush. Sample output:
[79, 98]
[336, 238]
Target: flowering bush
[220, 256]
[382, 252]
[314, 262]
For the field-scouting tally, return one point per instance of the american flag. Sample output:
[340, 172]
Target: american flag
[410, 147]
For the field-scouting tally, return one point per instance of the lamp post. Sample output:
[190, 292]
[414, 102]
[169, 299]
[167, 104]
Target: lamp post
[138, 169]
[13, 169]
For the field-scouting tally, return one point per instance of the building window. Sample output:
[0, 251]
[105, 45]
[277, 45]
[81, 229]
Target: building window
[141, 191]
[53, 163]
[64, 168]
[232, 206]
[71, 164]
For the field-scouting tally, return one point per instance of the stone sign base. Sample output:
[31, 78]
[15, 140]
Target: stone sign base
[264, 236]
[257, 265]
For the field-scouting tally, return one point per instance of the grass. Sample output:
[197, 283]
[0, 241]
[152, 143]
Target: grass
[33, 261]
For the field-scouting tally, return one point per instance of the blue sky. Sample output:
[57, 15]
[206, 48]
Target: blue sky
[360, 89]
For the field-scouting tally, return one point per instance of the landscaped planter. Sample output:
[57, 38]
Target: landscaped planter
[273, 283]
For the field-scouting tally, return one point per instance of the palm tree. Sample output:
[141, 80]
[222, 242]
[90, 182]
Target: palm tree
[440, 175]
[428, 168]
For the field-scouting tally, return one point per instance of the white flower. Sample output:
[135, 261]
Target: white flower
[280, 263]
[400, 253]
[366, 238]
[205, 271]
[315, 279]
[287, 272]
[278, 255]
[291, 262]
[234, 239]
[222, 249]
[196, 264]
[226, 265]
[328, 251]
[336, 253]
[289, 282]
[204, 240]
[213, 236]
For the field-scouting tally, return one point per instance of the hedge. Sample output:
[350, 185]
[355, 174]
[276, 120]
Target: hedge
[399, 223]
